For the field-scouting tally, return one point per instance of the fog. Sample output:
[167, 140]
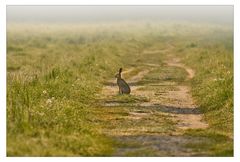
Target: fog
[82, 14]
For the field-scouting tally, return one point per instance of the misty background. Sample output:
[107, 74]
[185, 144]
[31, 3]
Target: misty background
[83, 14]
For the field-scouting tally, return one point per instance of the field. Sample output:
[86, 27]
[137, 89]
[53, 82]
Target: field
[62, 97]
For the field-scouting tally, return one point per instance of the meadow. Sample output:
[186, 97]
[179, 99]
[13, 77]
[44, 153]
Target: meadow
[56, 74]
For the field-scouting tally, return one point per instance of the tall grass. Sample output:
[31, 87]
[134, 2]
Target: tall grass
[50, 90]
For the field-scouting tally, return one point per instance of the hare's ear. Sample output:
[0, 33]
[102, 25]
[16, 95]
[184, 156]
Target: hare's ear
[120, 70]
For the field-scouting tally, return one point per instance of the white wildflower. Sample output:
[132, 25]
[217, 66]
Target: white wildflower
[49, 101]
[44, 92]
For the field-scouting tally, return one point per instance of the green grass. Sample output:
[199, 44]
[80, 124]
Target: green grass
[55, 74]
[217, 145]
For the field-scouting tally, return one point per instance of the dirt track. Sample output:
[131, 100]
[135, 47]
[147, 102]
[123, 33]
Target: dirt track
[175, 102]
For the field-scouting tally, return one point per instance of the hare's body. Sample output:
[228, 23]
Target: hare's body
[123, 86]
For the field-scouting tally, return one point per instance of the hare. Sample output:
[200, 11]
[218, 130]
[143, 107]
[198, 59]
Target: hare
[123, 86]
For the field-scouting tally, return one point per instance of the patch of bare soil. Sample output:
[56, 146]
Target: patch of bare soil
[182, 99]
[159, 145]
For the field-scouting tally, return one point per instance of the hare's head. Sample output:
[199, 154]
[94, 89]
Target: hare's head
[118, 75]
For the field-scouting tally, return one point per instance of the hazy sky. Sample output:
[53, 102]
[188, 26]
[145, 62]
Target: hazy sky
[80, 14]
